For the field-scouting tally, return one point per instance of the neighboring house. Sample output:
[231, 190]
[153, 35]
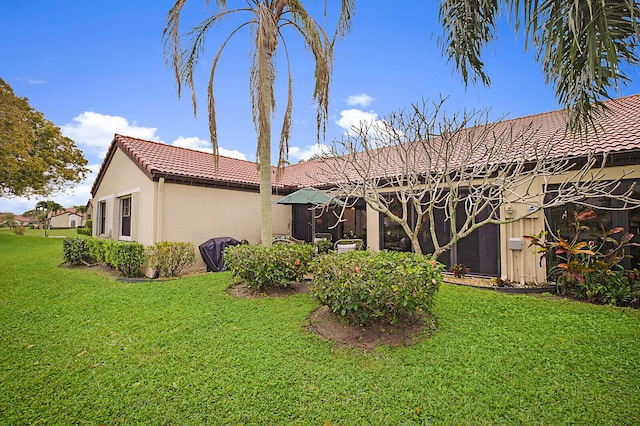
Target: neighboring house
[67, 218]
[19, 220]
[149, 192]
[89, 210]
[25, 221]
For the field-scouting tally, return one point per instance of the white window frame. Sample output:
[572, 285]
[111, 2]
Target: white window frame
[122, 201]
[101, 228]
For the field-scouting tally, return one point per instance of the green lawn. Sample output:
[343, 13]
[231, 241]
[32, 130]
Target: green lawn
[79, 348]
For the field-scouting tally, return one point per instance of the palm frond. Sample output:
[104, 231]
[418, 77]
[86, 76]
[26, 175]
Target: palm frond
[469, 25]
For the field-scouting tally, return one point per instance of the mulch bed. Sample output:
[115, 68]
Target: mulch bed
[488, 284]
[407, 331]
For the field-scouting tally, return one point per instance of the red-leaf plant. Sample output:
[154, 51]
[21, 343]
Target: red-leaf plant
[579, 258]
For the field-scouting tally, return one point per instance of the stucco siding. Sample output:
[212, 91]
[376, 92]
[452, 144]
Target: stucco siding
[121, 179]
[196, 214]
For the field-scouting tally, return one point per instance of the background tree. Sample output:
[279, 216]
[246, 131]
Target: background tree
[35, 158]
[48, 209]
[586, 47]
[462, 168]
[8, 220]
[266, 19]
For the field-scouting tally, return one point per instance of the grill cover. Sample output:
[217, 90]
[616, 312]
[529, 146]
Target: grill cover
[211, 252]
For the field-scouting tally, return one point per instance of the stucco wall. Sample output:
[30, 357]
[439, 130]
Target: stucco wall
[123, 178]
[196, 214]
[176, 212]
[65, 220]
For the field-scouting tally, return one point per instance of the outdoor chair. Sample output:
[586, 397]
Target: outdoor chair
[348, 244]
[322, 236]
[286, 239]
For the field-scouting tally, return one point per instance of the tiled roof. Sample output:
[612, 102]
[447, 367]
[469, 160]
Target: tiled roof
[68, 210]
[157, 160]
[619, 131]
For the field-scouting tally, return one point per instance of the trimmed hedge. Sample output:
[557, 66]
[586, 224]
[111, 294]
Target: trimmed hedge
[128, 257]
[171, 257]
[99, 248]
[84, 231]
[74, 251]
[261, 267]
[361, 287]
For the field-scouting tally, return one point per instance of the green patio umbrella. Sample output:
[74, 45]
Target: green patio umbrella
[309, 196]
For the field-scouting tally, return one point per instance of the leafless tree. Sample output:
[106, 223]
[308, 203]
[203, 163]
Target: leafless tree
[464, 168]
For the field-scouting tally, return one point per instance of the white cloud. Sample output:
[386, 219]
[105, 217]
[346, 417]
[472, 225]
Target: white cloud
[378, 131]
[31, 81]
[79, 195]
[355, 118]
[93, 132]
[362, 100]
[296, 153]
[233, 153]
[193, 143]
[204, 145]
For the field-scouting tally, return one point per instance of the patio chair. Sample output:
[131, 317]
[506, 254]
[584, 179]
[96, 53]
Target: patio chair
[322, 236]
[286, 239]
[348, 244]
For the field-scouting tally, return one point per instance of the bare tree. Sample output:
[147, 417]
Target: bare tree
[464, 169]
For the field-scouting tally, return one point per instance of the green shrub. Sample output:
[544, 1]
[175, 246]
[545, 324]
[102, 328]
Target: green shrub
[84, 231]
[74, 251]
[323, 246]
[89, 224]
[361, 287]
[262, 267]
[128, 257]
[610, 287]
[19, 230]
[99, 248]
[171, 257]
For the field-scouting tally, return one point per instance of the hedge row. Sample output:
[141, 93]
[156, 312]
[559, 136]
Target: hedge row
[169, 258]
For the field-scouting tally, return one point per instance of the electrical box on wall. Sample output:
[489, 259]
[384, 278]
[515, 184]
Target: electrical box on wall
[533, 211]
[516, 243]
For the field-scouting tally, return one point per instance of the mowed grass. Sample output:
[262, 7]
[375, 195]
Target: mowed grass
[78, 348]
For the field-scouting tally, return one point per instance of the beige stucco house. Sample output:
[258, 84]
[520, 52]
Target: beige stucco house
[67, 218]
[148, 192]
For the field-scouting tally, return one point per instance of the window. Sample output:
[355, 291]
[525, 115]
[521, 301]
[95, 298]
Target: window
[125, 217]
[102, 218]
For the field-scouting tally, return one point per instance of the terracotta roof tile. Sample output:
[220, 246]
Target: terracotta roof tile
[619, 131]
[161, 160]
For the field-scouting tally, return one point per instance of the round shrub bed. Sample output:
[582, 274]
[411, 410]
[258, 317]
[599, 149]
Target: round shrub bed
[361, 287]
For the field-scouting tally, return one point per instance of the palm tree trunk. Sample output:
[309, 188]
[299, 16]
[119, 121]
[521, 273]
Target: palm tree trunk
[266, 48]
[265, 191]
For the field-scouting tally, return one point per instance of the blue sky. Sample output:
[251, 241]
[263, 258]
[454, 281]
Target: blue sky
[96, 68]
